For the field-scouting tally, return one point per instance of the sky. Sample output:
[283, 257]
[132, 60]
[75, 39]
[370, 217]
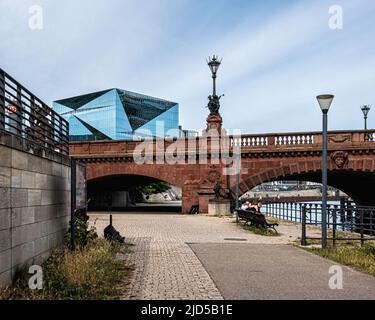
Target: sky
[277, 55]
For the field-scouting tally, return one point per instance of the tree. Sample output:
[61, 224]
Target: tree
[154, 187]
[136, 193]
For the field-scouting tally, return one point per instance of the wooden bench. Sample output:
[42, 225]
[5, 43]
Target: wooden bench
[255, 219]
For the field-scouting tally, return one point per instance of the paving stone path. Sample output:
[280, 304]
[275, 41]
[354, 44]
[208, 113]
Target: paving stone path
[176, 256]
[164, 265]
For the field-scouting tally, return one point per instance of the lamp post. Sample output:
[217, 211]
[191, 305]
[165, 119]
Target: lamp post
[214, 64]
[214, 120]
[237, 184]
[365, 109]
[324, 101]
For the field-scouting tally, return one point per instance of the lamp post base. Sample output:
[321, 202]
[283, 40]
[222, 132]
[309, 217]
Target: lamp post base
[219, 207]
[214, 122]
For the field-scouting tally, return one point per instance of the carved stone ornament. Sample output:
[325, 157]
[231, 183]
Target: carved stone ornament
[340, 158]
[191, 182]
[339, 138]
[86, 147]
[212, 176]
[214, 122]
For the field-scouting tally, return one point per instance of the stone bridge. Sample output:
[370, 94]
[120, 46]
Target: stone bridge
[264, 157]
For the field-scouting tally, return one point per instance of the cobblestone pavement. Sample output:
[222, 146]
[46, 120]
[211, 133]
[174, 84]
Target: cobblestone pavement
[164, 265]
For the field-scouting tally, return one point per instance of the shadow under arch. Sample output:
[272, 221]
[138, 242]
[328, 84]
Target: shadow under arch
[100, 187]
[166, 173]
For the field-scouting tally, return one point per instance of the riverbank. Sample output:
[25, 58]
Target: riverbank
[293, 195]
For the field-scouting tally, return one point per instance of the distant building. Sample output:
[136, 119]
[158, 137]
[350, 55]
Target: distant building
[184, 133]
[283, 185]
[116, 114]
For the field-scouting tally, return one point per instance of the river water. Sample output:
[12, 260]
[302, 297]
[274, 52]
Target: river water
[292, 212]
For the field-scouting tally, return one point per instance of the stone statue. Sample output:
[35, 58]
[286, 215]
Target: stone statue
[214, 104]
[219, 190]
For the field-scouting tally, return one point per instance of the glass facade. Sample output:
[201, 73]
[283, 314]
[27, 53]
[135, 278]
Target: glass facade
[117, 114]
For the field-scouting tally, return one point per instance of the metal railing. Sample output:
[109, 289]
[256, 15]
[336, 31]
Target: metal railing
[24, 115]
[350, 219]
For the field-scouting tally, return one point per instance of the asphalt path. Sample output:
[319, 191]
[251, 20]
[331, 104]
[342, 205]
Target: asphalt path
[262, 271]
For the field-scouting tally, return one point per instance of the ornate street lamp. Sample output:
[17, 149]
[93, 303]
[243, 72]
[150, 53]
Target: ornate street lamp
[214, 99]
[214, 64]
[365, 109]
[325, 101]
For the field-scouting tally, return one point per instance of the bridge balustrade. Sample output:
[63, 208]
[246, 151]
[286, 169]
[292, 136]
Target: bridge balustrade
[303, 139]
[291, 139]
[295, 139]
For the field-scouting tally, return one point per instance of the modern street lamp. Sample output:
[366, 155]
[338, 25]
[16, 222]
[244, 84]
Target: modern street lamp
[237, 184]
[365, 109]
[325, 101]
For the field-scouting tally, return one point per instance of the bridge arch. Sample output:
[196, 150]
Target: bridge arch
[164, 173]
[122, 176]
[355, 182]
[123, 192]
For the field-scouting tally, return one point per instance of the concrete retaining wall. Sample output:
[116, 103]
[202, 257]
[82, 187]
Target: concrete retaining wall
[34, 209]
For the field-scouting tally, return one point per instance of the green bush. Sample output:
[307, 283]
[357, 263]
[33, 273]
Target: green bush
[82, 234]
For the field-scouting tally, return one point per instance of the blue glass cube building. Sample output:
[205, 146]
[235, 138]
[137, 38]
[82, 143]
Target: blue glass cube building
[116, 114]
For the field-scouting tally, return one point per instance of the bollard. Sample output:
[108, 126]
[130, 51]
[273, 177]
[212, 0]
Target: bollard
[72, 202]
[334, 225]
[342, 213]
[361, 224]
[303, 236]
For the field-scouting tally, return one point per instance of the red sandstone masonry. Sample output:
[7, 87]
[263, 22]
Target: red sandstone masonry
[260, 163]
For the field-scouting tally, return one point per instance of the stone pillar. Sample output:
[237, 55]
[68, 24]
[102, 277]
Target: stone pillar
[189, 195]
[204, 196]
[214, 122]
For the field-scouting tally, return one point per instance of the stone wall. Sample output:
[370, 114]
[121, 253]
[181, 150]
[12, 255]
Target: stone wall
[34, 208]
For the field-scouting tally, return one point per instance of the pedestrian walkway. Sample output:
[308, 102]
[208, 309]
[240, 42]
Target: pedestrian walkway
[282, 272]
[192, 257]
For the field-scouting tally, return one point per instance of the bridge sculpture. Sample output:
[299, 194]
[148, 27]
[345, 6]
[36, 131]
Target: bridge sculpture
[264, 158]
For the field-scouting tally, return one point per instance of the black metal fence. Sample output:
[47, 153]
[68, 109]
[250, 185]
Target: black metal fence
[24, 115]
[353, 220]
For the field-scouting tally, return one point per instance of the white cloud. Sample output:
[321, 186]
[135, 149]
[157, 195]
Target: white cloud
[273, 65]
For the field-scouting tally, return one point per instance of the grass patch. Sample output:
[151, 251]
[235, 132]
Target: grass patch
[91, 272]
[279, 221]
[345, 236]
[355, 256]
[261, 231]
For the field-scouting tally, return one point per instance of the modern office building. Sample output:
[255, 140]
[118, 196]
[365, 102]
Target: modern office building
[116, 114]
